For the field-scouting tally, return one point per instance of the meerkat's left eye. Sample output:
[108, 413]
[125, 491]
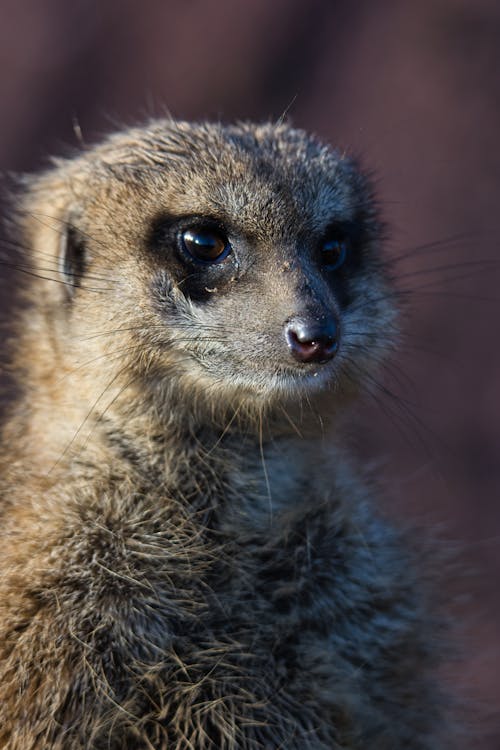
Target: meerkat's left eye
[205, 245]
[334, 253]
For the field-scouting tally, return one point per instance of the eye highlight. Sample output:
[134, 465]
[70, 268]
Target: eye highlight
[333, 253]
[205, 244]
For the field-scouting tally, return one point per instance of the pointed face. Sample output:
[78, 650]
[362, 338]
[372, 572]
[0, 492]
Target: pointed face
[242, 258]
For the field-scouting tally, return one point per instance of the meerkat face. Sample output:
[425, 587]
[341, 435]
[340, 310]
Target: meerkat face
[241, 258]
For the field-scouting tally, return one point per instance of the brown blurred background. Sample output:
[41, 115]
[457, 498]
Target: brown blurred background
[413, 88]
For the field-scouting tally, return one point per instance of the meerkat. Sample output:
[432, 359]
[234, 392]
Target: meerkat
[190, 556]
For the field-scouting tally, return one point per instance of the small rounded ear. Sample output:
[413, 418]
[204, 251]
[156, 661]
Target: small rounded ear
[72, 258]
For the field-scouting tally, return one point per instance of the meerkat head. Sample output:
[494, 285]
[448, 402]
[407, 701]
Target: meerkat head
[236, 260]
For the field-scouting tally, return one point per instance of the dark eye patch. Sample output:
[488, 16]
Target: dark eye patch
[342, 254]
[346, 239]
[196, 252]
[334, 253]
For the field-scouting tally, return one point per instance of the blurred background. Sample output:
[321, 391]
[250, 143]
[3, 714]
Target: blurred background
[411, 88]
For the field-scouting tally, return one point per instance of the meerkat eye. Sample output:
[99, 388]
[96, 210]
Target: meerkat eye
[334, 252]
[205, 245]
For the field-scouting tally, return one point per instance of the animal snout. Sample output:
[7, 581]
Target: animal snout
[312, 339]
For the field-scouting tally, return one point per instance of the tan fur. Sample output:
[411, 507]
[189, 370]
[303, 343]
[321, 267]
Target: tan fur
[188, 561]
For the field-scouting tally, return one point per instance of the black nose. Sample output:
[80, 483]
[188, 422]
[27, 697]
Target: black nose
[311, 340]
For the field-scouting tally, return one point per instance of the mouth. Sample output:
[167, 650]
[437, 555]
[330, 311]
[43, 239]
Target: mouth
[237, 370]
[286, 381]
[310, 377]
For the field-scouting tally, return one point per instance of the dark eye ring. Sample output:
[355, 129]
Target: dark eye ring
[205, 244]
[334, 253]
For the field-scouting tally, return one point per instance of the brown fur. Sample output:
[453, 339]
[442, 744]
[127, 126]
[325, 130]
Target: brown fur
[187, 562]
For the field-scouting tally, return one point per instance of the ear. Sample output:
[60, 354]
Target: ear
[72, 258]
[47, 216]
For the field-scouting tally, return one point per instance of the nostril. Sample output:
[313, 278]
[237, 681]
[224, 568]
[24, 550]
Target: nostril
[312, 341]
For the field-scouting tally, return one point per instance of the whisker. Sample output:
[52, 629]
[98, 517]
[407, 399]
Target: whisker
[394, 417]
[406, 408]
[225, 431]
[291, 422]
[87, 417]
[103, 413]
[35, 275]
[65, 223]
[445, 244]
[264, 469]
[107, 355]
[480, 265]
[34, 253]
[37, 269]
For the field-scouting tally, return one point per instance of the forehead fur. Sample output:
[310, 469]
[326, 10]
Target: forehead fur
[257, 175]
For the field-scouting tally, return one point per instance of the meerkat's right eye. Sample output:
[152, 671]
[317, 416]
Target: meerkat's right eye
[205, 244]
